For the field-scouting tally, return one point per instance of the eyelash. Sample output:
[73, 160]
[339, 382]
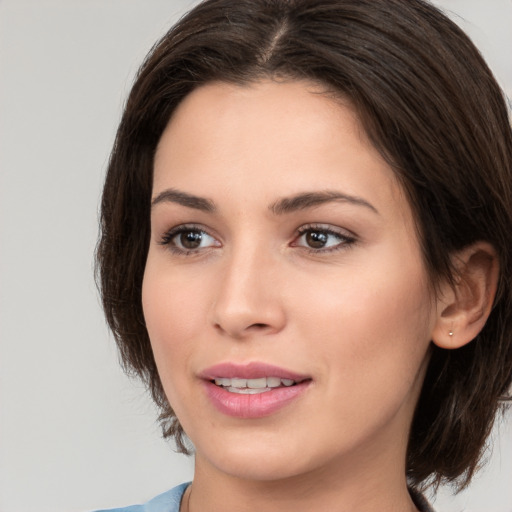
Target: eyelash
[169, 236]
[345, 240]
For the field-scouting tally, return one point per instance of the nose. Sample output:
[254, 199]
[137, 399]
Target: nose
[249, 299]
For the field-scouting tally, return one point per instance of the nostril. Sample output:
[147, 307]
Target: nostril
[258, 326]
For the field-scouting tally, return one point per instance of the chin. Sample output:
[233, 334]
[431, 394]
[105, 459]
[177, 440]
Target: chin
[260, 467]
[252, 455]
[257, 457]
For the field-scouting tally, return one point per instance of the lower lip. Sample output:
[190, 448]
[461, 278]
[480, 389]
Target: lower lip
[258, 405]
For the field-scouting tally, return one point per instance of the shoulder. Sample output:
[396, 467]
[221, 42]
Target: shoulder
[166, 502]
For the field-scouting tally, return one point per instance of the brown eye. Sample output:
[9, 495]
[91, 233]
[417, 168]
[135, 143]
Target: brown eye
[183, 239]
[190, 239]
[319, 239]
[316, 239]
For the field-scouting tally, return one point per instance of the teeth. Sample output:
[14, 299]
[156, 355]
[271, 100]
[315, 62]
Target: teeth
[247, 391]
[251, 386]
[257, 383]
[273, 382]
[238, 383]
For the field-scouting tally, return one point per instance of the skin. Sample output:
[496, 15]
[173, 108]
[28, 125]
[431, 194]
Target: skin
[357, 315]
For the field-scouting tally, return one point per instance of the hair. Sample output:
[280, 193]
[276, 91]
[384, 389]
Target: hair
[432, 108]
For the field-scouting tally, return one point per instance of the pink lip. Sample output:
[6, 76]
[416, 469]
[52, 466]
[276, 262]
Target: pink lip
[252, 370]
[257, 405]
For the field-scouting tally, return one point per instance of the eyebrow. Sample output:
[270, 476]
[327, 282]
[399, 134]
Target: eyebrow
[172, 195]
[306, 200]
[282, 206]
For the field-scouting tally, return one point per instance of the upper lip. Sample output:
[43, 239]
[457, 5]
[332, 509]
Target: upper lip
[252, 370]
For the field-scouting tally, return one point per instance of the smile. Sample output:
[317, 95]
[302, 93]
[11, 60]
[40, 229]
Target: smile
[253, 390]
[253, 386]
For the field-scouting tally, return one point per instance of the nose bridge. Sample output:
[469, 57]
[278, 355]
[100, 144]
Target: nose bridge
[248, 299]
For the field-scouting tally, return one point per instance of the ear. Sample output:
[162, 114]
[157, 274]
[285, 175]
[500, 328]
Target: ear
[463, 307]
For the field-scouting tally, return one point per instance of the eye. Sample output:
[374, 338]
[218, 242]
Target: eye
[186, 239]
[320, 238]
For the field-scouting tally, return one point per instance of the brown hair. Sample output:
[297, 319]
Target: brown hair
[429, 104]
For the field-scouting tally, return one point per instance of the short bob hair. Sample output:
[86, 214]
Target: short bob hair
[431, 107]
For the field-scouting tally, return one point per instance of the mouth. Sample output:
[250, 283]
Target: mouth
[253, 386]
[253, 390]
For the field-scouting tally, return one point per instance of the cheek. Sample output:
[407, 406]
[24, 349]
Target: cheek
[373, 327]
[174, 311]
[372, 338]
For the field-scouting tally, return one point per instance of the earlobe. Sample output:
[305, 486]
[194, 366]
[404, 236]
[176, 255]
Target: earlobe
[463, 307]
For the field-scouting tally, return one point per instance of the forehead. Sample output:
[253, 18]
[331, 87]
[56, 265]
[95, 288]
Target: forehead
[290, 135]
[227, 117]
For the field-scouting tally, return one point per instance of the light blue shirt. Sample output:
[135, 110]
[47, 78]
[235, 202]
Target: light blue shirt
[166, 502]
[170, 502]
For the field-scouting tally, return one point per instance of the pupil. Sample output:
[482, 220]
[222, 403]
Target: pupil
[316, 239]
[191, 239]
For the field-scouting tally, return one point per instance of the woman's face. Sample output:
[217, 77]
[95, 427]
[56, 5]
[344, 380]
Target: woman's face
[284, 263]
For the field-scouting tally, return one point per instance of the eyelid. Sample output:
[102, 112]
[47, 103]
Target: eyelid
[167, 237]
[347, 238]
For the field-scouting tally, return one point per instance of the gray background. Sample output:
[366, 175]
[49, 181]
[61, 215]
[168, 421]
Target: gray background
[75, 433]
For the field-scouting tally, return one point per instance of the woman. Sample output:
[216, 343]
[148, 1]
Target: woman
[305, 252]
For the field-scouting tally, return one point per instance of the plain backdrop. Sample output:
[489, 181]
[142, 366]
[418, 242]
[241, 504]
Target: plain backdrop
[75, 433]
